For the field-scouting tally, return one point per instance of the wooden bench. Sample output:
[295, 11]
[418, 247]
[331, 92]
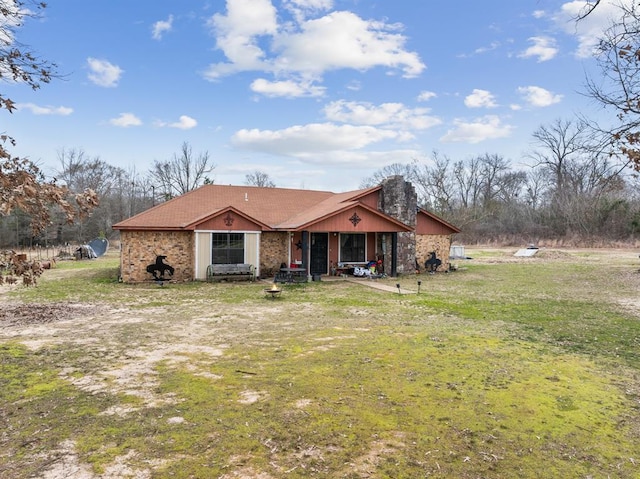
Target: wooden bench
[233, 272]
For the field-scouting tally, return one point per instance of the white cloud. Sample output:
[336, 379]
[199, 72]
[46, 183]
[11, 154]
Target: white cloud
[287, 88]
[347, 137]
[538, 97]
[184, 123]
[103, 73]
[480, 99]
[300, 9]
[344, 40]
[313, 139]
[45, 110]
[237, 35]
[488, 127]
[311, 4]
[388, 115]
[161, 27]
[306, 48]
[588, 30]
[358, 159]
[492, 46]
[354, 85]
[126, 120]
[426, 95]
[543, 48]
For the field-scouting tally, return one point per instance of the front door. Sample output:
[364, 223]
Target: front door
[319, 253]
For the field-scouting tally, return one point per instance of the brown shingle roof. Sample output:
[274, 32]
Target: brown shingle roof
[331, 205]
[275, 207]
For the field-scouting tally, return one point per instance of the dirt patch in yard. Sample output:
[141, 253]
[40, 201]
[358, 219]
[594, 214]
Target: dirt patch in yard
[124, 347]
[24, 315]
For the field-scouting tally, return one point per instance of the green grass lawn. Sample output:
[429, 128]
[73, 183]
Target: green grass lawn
[502, 369]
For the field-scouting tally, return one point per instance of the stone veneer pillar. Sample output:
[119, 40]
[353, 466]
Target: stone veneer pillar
[399, 200]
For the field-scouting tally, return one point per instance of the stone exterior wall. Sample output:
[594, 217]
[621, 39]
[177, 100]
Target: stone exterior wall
[139, 249]
[273, 251]
[441, 244]
[399, 200]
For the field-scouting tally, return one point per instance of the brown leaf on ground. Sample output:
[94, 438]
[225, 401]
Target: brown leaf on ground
[29, 314]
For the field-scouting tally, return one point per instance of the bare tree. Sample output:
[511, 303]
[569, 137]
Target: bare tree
[512, 186]
[468, 180]
[79, 171]
[118, 191]
[183, 173]
[437, 183]
[495, 178]
[588, 8]
[259, 178]
[581, 178]
[536, 188]
[557, 145]
[408, 171]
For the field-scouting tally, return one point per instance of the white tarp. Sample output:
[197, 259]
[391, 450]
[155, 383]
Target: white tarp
[456, 252]
[527, 253]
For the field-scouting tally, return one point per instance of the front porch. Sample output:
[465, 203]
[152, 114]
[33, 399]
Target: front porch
[336, 253]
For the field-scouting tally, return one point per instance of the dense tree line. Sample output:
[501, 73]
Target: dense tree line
[572, 190]
[121, 194]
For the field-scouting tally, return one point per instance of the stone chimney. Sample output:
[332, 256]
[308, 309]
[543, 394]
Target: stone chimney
[399, 200]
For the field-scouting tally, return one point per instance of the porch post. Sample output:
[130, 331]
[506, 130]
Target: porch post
[305, 250]
[394, 254]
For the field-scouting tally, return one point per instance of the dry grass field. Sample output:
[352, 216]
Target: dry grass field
[507, 367]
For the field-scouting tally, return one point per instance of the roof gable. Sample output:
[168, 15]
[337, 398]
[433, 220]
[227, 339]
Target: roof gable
[344, 216]
[229, 219]
[428, 223]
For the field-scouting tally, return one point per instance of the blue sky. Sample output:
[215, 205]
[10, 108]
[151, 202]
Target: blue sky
[319, 94]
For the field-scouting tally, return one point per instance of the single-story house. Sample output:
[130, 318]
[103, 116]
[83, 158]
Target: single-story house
[320, 231]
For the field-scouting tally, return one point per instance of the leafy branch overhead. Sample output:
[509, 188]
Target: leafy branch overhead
[23, 186]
